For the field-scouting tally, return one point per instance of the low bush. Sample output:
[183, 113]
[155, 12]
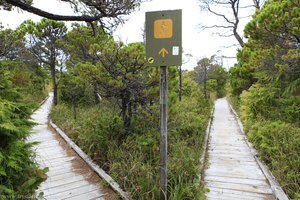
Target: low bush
[271, 122]
[278, 144]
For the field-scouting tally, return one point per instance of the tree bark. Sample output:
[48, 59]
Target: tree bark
[95, 91]
[204, 82]
[126, 110]
[238, 37]
[55, 101]
[55, 86]
[235, 9]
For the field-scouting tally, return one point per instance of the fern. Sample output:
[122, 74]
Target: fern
[18, 174]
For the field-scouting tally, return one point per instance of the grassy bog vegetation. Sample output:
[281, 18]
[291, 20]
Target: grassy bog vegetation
[131, 155]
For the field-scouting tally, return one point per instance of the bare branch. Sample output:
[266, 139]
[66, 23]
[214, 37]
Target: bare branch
[232, 23]
[218, 14]
[223, 35]
[202, 27]
[230, 46]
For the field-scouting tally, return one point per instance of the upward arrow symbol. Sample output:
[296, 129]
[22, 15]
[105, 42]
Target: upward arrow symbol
[163, 52]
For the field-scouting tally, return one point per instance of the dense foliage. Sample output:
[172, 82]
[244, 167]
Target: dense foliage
[265, 84]
[22, 87]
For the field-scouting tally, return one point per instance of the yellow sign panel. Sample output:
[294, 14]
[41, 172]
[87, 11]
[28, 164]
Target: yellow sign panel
[163, 28]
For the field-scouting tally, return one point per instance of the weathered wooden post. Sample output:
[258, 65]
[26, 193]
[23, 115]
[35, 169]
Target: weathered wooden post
[163, 147]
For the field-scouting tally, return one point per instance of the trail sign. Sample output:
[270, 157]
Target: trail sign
[164, 38]
[163, 48]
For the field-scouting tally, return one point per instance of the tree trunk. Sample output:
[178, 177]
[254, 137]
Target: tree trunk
[126, 111]
[238, 37]
[95, 91]
[235, 9]
[53, 76]
[55, 94]
[204, 82]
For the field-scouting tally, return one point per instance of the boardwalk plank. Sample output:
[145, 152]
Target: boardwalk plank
[57, 171]
[72, 192]
[218, 156]
[50, 159]
[233, 162]
[49, 144]
[61, 183]
[65, 188]
[89, 195]
[236, 180]
[248, 187]
[239, 194]
[59, 161]
[224, 196]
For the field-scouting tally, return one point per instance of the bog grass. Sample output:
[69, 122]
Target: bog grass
[131, 157]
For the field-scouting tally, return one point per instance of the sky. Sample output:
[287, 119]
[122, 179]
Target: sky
[198, 43]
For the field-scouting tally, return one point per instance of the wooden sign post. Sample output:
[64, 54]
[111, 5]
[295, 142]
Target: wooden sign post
[164, 48]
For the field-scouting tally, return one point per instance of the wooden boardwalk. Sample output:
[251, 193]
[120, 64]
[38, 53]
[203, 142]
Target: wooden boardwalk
[232, 172]
[69, 177]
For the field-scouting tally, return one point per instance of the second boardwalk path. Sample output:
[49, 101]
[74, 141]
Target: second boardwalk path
[232, 172]
[69, 177]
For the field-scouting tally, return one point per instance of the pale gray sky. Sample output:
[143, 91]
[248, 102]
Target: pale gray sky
[197, 43]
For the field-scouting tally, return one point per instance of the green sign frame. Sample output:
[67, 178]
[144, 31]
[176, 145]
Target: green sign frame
[164, 38]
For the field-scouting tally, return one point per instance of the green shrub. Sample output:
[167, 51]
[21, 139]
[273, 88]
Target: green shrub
[271, 122]
[266, 102]
[278, 144]
[20, 82]
[19, 175]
